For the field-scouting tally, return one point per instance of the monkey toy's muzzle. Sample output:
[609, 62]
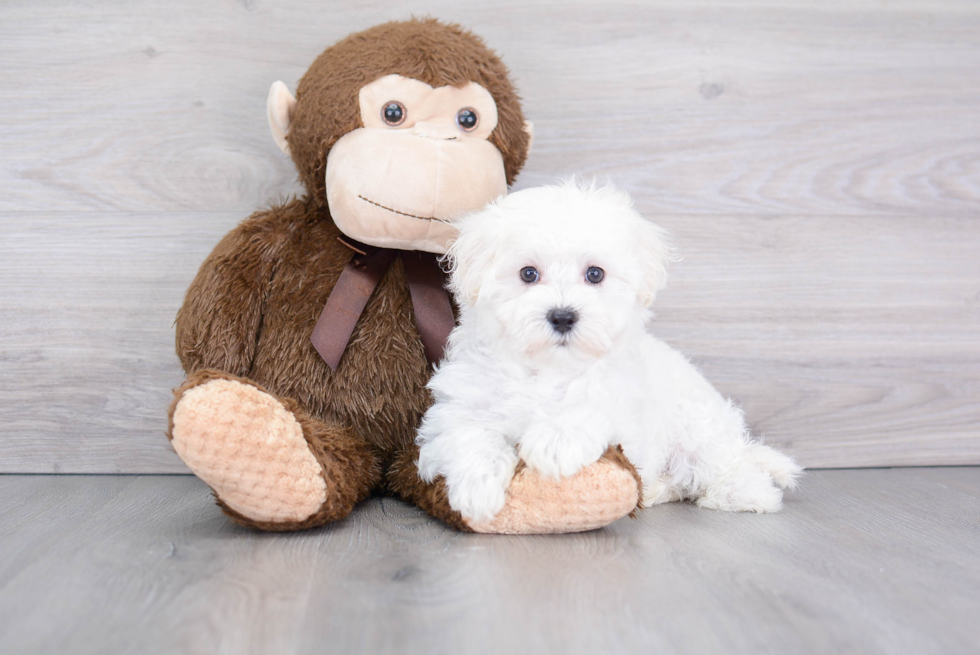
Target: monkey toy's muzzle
[403, 189]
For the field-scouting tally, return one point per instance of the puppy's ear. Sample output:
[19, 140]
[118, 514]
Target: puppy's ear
[471, 255]
[654, 252]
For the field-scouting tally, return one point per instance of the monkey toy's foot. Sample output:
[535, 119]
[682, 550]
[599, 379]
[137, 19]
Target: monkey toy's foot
[595, 497]
[250, 450]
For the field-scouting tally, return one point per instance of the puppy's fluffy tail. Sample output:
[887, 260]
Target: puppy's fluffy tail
[782, 469]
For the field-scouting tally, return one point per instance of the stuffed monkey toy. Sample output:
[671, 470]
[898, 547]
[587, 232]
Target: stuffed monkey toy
[309, 333]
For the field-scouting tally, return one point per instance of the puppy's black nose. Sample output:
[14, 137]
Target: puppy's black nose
[562, 319]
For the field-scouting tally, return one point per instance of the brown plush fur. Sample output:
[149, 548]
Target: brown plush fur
[425, 50]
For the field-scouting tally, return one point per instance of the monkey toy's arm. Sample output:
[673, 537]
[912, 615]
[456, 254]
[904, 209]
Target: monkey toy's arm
[219, 321]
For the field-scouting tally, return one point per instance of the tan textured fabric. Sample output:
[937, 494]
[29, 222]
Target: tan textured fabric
[596, 496]
[435, 181]
[250, 449]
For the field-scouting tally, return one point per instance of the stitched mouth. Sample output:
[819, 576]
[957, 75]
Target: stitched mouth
[395, 211]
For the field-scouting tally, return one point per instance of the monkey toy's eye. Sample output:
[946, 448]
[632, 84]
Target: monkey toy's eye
[393, 113]
[594, 274]
[529, 274]
[467, 119]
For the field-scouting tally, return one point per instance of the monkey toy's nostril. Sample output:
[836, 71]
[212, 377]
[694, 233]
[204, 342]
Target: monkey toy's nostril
[562, 319]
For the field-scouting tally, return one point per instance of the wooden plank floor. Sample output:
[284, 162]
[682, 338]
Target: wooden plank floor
[859, 561]
[818, 164]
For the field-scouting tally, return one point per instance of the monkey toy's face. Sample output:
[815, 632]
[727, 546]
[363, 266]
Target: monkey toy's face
[421, 160]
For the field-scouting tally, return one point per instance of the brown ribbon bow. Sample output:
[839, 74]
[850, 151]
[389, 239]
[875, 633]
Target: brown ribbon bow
[426, 284]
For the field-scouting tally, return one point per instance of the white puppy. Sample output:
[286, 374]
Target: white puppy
[553, 362]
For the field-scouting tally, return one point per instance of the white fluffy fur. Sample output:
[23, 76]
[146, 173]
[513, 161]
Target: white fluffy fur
[512, 387]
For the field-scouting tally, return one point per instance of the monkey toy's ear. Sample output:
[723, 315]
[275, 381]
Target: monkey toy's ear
[529, 128]
[280, 111]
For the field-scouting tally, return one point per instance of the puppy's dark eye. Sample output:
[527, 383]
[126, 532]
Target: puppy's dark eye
[594, 274]
[529, 274]
[467, 119]
[393, 113]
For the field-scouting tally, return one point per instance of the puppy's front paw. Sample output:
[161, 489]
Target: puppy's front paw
[557, 453]
[476, 465]
[477, 498]
[479, 493]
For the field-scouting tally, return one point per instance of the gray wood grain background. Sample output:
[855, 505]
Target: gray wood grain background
[818, 166]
